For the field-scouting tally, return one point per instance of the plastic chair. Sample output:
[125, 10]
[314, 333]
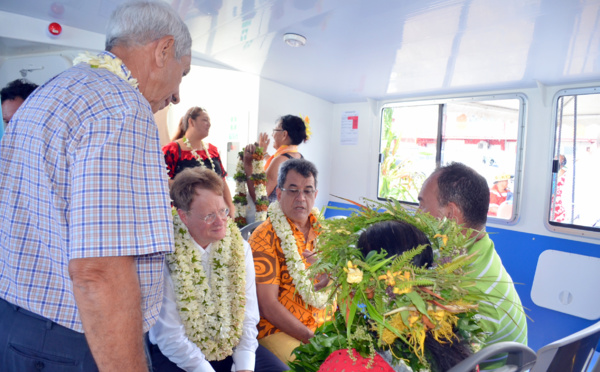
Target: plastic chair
[248, 229]
[573, 353]
[520, 358]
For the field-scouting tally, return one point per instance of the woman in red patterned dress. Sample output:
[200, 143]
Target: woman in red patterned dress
[188, 150]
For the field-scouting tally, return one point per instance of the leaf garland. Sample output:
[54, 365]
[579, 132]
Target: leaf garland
[259, 179]
[397, 302]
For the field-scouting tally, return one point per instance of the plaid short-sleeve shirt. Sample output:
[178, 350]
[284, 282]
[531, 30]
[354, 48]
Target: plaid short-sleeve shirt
[81, 175]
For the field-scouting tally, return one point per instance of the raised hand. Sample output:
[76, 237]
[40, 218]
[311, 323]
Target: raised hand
[264, 141]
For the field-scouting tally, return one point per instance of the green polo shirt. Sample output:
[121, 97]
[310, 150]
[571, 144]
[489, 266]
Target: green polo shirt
[502, 315]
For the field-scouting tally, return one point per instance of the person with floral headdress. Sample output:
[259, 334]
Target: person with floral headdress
[289, 132]
[188, 150]
[387, 275]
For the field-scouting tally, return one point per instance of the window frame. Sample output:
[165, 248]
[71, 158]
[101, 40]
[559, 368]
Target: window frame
[520, 155]
[559, 227]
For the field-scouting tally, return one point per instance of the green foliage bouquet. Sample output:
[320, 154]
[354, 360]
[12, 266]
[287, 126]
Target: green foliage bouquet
[388, 304]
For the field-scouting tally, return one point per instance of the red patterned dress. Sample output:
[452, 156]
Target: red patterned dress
[178, 159]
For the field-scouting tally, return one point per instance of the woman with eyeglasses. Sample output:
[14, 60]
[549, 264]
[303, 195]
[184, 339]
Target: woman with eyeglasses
[188, 150]
[289, 132]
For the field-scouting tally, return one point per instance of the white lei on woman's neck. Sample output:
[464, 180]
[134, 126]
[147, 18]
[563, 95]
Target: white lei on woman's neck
[107, 61]
[212, 314]
[296, 267]
[196, 155]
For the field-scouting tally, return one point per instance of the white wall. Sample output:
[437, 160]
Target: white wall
[354, 167]
[276, 100]
[228, 97]
[44, 68]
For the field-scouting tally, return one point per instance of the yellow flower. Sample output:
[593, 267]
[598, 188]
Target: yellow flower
[390, 280]
[355, 275]
[388, 277]
[399, 291]
[404, 276]
[446, 321]
[395, 321]
[306, 121]
[444, 239]
[414, 333]
[414, 317]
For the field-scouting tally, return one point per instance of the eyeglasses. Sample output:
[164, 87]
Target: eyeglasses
[308, 193]
[210, 218]
[278, 130]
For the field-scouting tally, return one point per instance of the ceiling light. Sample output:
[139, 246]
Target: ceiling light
[294, 40]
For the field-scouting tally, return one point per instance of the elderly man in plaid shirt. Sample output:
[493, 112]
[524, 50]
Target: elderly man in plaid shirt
[84, 207]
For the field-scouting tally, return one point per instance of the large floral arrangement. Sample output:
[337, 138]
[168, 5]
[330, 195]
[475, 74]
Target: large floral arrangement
[295, 263]
[388, 304]
[212, 313]
[259, 179]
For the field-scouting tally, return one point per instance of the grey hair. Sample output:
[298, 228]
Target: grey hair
[304, 167]
[142, 22]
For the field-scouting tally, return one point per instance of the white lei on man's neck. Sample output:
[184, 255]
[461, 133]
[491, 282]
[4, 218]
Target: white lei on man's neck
[212, 313]
[107, 61]
[296, 267]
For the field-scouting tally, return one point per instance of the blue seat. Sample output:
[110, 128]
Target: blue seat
[248, 229]
[520, 358]
[573, 353]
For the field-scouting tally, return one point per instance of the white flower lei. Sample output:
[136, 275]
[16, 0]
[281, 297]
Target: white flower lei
[197, 156]
[212, 314]
[296, 267]
[109, 62]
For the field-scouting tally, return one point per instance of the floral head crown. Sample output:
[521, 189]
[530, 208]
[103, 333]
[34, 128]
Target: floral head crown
[386, 303]
[306, 121]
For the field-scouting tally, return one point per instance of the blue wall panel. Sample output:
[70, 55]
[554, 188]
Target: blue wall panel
[520, 252]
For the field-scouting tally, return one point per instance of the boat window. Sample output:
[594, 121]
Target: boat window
[483, 133]
[575, 160]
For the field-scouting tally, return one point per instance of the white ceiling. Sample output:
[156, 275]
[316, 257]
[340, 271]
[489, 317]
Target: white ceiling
[380, 49]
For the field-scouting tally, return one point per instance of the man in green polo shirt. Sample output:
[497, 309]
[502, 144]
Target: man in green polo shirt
[458, 192]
